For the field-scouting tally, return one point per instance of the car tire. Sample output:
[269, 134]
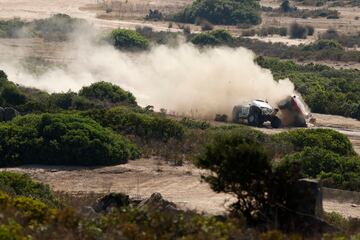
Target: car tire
[275, 122]
[253, 119]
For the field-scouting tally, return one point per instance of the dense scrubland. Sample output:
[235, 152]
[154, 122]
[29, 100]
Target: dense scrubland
[102, 124]
[32, 211]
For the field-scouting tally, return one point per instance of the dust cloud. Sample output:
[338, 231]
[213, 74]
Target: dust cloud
[182, 79]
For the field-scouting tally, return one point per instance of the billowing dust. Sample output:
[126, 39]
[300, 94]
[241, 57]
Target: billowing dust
[183, 79]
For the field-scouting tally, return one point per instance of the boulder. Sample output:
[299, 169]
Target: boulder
[157, 203]
[112, 200]
[2, 113]
[10, 113]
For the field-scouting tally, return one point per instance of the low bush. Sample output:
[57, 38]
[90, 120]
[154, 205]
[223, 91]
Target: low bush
[104, 91]
[66, 139]
[216, 37]
[349, 226]
[58, 27]
[323, 45]
[154, 15]
[134, 122]
[22, 185]
[227, 12]
[298, 31]
[334, 170]
[125, 39]
[346, 40]
[328, 139]
[11, 28]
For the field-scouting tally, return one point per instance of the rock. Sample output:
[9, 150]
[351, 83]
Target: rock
[2, 112]
[10, 113]
[110, 201]
[157, 203]
[88, 211]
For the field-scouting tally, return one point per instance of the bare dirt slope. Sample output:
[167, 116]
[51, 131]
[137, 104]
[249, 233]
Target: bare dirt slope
[138, 178]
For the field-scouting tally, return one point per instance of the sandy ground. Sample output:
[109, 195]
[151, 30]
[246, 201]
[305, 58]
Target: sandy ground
[139, 179]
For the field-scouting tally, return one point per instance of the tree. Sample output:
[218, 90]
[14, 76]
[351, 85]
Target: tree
[228, 12]
[285, 6]
[128, 40]
[104, 91]
[240, 166]
[298, 31]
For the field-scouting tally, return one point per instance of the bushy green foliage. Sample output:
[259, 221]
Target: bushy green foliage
[135, 122]
[24, 218]
[10, 94]
[328, 139]
[23, 185]
[300, 53]
[227, 12]
[239, 165]
[335, 170]
[346, 40]
[298, 31]
[12, 231]
[216, 37]
[324, 89]
[62, 139]
[323, 45]
[311, 13]
[128, 40]
[58, 27]
[104, 91]
[11, 28]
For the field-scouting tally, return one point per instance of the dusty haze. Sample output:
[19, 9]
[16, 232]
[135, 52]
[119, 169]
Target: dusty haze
[183, 79]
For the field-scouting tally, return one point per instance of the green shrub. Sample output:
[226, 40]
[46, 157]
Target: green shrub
[11, 28]
[227, 12]
[31, 209]
[146, 125]
[238, 165]
[12, 231]
[23, 185]
[111, 93]
[12, 95]
[128, 40]
[336, 171]
[57, 27]
[323, 45]
[298, 31]
[205, 39]
[65, 139]
[328, 139]
[216, 37]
